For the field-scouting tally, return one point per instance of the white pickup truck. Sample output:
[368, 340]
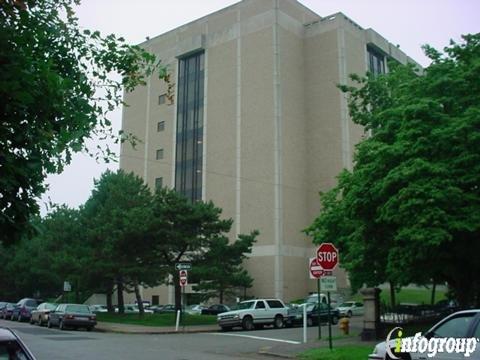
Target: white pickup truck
[254, 313]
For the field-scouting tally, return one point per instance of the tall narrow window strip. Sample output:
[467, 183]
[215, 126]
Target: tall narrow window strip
[159, 154]
[158, 183]
[376, 62]
[189, 156]
[161, 126]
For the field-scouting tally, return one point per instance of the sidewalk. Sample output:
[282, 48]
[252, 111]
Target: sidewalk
[139, 329]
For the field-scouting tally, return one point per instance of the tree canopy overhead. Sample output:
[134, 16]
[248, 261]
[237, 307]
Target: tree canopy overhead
[409, 212]
[56, 91]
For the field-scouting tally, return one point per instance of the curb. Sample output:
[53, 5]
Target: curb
[154, 332]
[276, 355]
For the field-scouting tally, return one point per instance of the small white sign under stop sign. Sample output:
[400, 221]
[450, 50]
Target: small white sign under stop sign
[328, 283]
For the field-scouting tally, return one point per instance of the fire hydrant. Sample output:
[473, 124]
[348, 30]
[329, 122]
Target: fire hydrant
[344, 325]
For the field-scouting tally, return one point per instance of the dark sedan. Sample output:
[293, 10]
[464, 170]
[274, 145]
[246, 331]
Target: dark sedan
[295, 315]
[11, 347]
[7, 310]
[215, 309]
[72, 315]
[23, 309]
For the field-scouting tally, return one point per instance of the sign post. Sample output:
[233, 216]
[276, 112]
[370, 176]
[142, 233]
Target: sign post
[327, 258]
[183, 278]
[316, 271]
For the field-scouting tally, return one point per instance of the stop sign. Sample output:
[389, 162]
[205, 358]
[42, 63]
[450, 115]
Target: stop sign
[327, 256]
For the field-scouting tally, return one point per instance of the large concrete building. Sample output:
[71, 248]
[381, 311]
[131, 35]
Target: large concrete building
[256, 124]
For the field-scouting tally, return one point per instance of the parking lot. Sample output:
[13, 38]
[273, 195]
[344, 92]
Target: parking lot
[55, 344]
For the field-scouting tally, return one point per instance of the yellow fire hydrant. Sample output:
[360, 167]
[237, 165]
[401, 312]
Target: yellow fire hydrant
[344, 325]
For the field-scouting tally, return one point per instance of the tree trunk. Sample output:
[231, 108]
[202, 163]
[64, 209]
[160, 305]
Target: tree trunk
[77, 293]
[109, 299]
[139, 299]
[221, 297]
[392, 294]
[121, 307]
[432, 302]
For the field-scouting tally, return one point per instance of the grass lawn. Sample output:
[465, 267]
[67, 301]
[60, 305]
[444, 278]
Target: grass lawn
[156, 319]
[352, 352]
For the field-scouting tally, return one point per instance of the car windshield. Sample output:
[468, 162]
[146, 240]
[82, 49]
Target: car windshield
[310, 306]
[245, 305]
[83, 309]
[346, 304]
[50, 306]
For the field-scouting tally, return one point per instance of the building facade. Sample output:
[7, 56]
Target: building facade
[256, 124]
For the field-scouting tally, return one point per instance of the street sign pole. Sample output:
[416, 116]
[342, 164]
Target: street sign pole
[329, 323]
[318, 309]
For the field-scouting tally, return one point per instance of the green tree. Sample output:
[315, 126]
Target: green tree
[118, 216]
[183, 231]
[220, 273]
[56, 91]
[409, 212]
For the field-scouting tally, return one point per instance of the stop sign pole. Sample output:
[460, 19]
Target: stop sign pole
[327, 258]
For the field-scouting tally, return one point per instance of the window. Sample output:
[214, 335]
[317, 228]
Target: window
[376, 62]
[189, 148]
[158, 184]
[260, 305]
[274, 304]
[155, 299]
[161, 99]
[159, 154]
[161, 126]
[456, 327]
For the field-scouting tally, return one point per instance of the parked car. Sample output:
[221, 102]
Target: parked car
[72, 315]
[295, 315]
[462, 324]
[7, 311]
[254, 313]
[215, 309]
[12, 347]
[23, 309]
[169, 308]
[99, 308]
[41, 313]
[350, 308]
[194, 309]
[335, 299]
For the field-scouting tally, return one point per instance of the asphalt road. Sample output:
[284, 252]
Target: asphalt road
[49, 344]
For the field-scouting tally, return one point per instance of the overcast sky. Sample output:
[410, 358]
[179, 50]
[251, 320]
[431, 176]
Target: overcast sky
[407, 23]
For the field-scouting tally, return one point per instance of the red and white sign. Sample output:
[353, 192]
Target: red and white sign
[183, 275]
[327, 256]
[316, 270]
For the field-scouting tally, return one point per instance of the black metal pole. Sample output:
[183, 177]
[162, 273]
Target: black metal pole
[318, 310]
[329, 323]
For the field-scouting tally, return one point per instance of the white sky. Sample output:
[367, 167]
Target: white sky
[408, 23]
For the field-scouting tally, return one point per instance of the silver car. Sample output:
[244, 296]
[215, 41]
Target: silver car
[462, 324]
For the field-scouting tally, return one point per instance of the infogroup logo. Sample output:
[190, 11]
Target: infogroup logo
[431, 346]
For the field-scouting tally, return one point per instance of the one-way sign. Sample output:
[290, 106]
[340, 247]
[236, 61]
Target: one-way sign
[183, 266]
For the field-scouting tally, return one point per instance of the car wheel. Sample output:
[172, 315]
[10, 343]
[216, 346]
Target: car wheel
[334, 320]
[61, 326]
[49, 324]
[89, 328]
[226, 328]
[278, 322]
[19, 318]
[349, 313]
[247, 323]
[309, 321]
[40, 323]
[31, 321]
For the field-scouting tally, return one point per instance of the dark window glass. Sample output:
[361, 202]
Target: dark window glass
[260, 305]
[31, 303]
[159, 154]
[161, 99]
[274, 304]
[376, 62]
[189, 157]
[161, 126]
[155, 300]
[158, 183]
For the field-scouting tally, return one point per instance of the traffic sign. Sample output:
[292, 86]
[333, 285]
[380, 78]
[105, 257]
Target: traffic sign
[327, 256]
[183, 266]
[183, 275]
[328, 283]
[315, 270]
